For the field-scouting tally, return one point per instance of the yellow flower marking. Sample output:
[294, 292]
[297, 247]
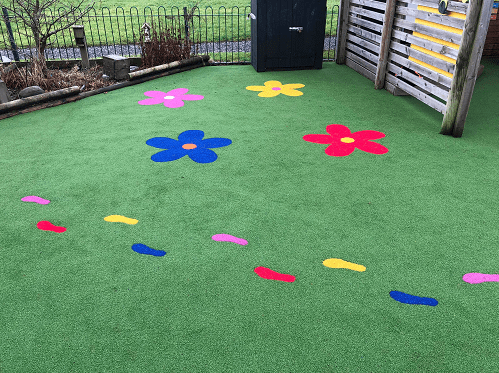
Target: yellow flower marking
[348, 140]
[273, 88]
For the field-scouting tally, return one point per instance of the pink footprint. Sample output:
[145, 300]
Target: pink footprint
[269, 274]
[45, 225]
[229, 238]
[477, 278]
[35, 199]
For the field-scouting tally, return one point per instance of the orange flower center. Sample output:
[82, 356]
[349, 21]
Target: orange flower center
[189, 146]
[348, 140]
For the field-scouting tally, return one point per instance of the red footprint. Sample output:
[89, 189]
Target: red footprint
[48, 226]
[269, 274]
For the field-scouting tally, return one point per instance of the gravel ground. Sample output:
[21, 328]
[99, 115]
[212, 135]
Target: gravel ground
[129, 50]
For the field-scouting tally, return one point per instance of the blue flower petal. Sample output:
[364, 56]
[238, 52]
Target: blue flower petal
[163, 143]
[169, 155]
[215, 142]
[191, 136]
[201, 155]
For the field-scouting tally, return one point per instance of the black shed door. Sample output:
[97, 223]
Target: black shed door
[291, 31]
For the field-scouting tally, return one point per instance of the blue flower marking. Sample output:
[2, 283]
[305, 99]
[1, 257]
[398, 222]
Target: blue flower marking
[189, 143]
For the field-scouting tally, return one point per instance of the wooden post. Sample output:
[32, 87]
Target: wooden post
[81, 42]
[384, 48]
[463, 62]
[473, 71]
[341, 34]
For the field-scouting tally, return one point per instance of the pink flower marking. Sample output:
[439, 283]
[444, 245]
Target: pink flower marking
[343, 142]
[172, 99]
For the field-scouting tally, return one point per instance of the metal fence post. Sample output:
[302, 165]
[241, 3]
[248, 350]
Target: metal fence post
[11, 35]
[186, 24]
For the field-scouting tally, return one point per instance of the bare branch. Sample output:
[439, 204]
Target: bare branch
[65, 27]
[65, 14]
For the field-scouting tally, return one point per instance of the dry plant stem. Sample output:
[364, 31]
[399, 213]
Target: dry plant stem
[203, 61]
[164, 47]
[50, 80]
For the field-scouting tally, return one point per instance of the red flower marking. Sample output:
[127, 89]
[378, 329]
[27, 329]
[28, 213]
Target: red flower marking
[343, 142]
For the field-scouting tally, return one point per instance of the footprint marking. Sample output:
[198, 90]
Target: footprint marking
[143, 249]
[269, 274]
[340, 263]
[229, 238]
[120, 219]
[412, 299]
[35, 199]
[478, 278]
[45, 225]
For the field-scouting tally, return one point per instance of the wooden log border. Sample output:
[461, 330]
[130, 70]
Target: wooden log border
[66, 95]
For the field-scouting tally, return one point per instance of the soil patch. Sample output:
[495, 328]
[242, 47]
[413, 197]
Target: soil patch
[17, 78]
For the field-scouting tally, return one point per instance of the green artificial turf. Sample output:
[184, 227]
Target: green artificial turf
[418, 218]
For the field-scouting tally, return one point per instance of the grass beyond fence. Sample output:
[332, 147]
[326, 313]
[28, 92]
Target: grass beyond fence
[108, 27]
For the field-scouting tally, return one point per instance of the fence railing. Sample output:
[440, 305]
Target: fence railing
[225, 34]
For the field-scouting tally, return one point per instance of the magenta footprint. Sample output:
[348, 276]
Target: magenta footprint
[35, 199]
[229, 238]
[477, 278]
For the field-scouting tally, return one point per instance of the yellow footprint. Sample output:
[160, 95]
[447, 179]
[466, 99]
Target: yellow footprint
[340, 263]
[120, 219]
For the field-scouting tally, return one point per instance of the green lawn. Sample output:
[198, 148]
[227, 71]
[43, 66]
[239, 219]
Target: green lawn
[416, 209]
[119, 22]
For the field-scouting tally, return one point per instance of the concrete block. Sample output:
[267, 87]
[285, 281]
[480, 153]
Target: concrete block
[4, 93]
[116, 67]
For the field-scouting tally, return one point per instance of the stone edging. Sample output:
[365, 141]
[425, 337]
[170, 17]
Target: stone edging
[72, 94]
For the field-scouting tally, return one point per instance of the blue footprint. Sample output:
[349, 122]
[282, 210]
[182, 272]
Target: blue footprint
[412, 299]
[143, 249]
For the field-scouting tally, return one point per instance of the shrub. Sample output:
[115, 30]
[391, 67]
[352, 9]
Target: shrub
[164, 47]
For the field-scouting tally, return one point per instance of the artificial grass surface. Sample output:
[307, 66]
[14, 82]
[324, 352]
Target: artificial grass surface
[418, 218]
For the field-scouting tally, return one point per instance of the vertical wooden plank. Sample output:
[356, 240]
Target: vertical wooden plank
[462, 65]
[476, 56]
[386, 35]
[341, 35]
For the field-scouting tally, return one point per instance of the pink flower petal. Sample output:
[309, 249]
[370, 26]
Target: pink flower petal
[191, 97]
[152, 101]
[155, 94]
[318, 139]
[338, 130]
[177, 92]
[371, 147]
[340, 149]
[173, 103]
[368, 135]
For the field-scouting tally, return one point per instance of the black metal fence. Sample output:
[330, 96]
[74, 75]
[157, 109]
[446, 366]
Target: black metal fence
[224, 34]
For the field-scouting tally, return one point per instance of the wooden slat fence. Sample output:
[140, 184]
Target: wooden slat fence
[408, 47]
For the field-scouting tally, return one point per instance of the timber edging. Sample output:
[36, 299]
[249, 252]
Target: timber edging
[71, 94]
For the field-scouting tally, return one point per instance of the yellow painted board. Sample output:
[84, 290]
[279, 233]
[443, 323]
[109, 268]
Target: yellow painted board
[436, 69]
[448, 14]
[436, 40]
